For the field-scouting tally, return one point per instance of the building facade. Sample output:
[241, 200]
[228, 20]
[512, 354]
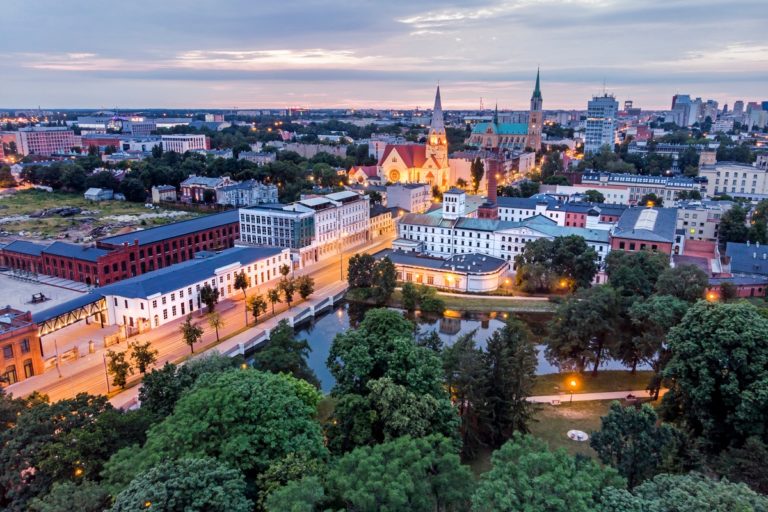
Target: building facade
[47, 140]
[735, 179]
[184, 143]
[21, 349]
[601, 123]
[246, 193]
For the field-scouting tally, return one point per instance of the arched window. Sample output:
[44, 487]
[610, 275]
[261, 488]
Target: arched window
[10, 375]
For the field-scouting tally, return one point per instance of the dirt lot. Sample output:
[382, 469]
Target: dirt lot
[27, 213]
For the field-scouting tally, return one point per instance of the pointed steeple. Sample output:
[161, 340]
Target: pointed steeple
[537, 89]
[437, 125]
[496, 115]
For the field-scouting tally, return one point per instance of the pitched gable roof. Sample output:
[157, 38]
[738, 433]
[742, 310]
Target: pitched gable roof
[412, 155]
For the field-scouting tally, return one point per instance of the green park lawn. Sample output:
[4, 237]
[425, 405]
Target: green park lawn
[485, 303]
[606, 380]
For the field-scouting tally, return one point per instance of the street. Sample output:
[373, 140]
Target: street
[88, 374]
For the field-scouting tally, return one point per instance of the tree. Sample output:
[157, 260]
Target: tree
[360, 271]
[476, 171]
[651, 200]
[257, 305]
[193, 484]
[419, 475]
[143, 356]
[583, 329]
[632, 441]
[653, 318]
[190, 333]
[67, 441]
[288, 286]
[386, 385]
[728, 291]
[161, 388]
[209, 296]
[511, 361]
[87, 496]
[241, 283]
[119, 368]
[384, 279]
[466, 377]
[461, 183]
[285, 270]
[303, 495]
[294, 467]
[594, 196]
[718, 373]
[285, 353]
[635, 274]
[733, 225]
[683, 493]
[102, 179]
[746, 464]
[274, 297]
[410, 296]
[686, 282]
[525, 475]
[546, 264]
[133, 190]
[248, 418]
[215, 321]
[305, 285]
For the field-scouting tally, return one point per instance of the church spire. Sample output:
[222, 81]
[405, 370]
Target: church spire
[438, 125]
[537, 89]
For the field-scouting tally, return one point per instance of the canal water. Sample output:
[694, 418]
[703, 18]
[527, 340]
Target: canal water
[320, 332]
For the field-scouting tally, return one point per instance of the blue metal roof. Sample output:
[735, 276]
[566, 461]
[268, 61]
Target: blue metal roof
[748, 258]
[186, 273]
[503, 128]
[24, 247]
[175, 229]
[75, 251]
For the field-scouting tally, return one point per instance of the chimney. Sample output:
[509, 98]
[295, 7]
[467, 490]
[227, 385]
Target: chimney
[494, 168]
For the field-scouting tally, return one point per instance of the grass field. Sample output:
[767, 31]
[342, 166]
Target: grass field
[485, 304]
[606, 380]
[554, 421]
[26, 202]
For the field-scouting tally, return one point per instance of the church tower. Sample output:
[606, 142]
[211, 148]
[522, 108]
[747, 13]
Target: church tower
[536, 117]
[437, 142]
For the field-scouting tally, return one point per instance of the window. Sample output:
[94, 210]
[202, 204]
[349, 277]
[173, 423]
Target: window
[165, 314]
[163, 300]
[154, 303]
[10, 375]
[24, 346]
[8, 351]
[29, 369]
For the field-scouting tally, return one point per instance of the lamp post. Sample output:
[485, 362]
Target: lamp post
[572, 385]
[106, 372]
[341, 255]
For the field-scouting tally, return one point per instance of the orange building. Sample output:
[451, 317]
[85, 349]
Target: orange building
[20, 347]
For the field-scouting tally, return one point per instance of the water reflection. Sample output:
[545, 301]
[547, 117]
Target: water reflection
[321, 331]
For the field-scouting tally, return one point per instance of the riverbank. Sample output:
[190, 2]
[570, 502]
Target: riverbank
[474, 303]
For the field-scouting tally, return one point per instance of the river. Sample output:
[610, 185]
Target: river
[320, 332]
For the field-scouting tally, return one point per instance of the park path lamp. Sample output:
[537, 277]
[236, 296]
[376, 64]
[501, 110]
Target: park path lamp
[711, 296]
[572, 386]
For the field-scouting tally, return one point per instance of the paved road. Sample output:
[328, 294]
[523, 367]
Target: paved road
[87, 374]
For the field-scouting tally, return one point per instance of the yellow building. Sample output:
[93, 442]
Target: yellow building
[420, 163]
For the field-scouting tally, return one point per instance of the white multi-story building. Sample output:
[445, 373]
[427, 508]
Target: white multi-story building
[161, 296]
[46, 141]
[246, 193]
[735, 179]
[601, 123]
[636, 185]
[314, 228]
[443, 234]
[257, 157]
[414, 197]
[184, 143]
[700, 220]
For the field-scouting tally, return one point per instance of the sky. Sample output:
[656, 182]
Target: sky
[378, 53]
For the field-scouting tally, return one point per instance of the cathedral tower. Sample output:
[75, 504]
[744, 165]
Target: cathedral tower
[535, 119]
[437, 142]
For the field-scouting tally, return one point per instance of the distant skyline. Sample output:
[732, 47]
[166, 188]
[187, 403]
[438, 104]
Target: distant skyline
[368, 53]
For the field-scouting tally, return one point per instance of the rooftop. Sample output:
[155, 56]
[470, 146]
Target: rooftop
[173, 230]
[185, 273]
[12, 319]
[649, 224]
[748, 258]
[464, 263]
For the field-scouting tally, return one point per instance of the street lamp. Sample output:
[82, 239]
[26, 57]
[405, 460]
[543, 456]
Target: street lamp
[572, 385]
[341, 254]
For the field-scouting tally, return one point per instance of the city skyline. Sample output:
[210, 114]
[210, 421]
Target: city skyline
[343, 54]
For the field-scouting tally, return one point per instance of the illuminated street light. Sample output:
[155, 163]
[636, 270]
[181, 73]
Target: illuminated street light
[572, 384]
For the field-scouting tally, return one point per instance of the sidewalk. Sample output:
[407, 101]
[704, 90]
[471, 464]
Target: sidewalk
[586, 397]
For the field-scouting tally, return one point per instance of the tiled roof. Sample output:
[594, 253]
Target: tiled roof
[369, 170]
[185, 227]
[412, 155]
[503, 128]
